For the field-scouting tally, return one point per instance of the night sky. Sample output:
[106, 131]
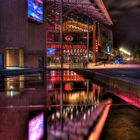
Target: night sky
[125, 15]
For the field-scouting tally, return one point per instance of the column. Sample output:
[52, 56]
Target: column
[95, 41]
[88, 42]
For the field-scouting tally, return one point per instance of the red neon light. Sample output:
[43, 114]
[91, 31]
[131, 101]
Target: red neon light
[68, 46]
[69, 38]
[68, 87]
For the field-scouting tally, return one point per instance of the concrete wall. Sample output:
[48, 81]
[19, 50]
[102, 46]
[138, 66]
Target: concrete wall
[13, 24]
[11, 122]
[36, 43]
[17, 32]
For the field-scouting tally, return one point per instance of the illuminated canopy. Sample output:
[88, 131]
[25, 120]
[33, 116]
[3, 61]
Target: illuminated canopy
[93, 9]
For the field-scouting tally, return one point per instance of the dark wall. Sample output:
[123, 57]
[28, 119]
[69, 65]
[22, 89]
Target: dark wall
[12, 120]
[36, 42]
[17, 32]
[13, 24]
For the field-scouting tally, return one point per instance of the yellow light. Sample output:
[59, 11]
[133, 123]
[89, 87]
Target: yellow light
[125, 51]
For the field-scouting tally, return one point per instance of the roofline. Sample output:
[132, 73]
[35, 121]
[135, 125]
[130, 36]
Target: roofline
[102, 7]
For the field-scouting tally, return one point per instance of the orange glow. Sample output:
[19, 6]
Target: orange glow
[96, 46]
[77, 97]
[95, 135]
[76, 26]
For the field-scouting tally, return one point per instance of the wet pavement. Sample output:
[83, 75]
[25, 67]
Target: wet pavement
[123, 122]
[62, 105]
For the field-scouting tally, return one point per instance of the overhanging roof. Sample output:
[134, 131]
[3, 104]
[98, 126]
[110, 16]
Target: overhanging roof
[93, 9]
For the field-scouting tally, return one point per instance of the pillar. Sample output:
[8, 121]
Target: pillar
[95, 41]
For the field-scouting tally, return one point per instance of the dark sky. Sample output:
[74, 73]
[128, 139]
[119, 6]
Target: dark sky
[125, 15]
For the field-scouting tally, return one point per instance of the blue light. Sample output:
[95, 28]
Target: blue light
[118, 60]
[51, 51]
[108, 50]
[35, 10]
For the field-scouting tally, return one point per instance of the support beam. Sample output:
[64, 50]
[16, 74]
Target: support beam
[94, 41]
[88, 42]
[62, 60]
[61, 33]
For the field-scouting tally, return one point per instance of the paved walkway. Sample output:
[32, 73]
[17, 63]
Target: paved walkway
[93, 66]
[108, 66]
[122, 123]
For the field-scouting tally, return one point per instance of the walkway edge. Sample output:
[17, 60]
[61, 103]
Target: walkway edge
[95, 135]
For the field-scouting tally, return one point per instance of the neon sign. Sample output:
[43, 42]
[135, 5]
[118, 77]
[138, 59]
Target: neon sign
[68, 46]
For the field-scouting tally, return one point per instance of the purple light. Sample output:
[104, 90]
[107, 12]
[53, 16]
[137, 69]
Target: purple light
[36, 127]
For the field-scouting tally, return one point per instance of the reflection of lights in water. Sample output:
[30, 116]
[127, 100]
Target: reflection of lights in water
[71, 109]
[39, 77]
[11, 87]
[71, 117]
[92, 108]
[76, 97]
[68, 109]
[50, 86]
[85, 83]
[53, 73]
[88, 112]
[58, 115]
[84, 117]
[81, 108]
[95, 105]
[53, 116]
[97, 101]
[66, 114]
[77, 112]
[11, 93]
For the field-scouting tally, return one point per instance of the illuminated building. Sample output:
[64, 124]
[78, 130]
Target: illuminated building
[62, 32]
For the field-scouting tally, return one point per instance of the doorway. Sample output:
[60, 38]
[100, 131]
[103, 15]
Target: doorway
[14, 57]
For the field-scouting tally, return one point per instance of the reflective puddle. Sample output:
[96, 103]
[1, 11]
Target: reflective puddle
[63, 105]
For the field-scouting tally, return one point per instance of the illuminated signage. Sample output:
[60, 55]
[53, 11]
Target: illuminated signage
[69, 38]
[68, 46]
[69, 86]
